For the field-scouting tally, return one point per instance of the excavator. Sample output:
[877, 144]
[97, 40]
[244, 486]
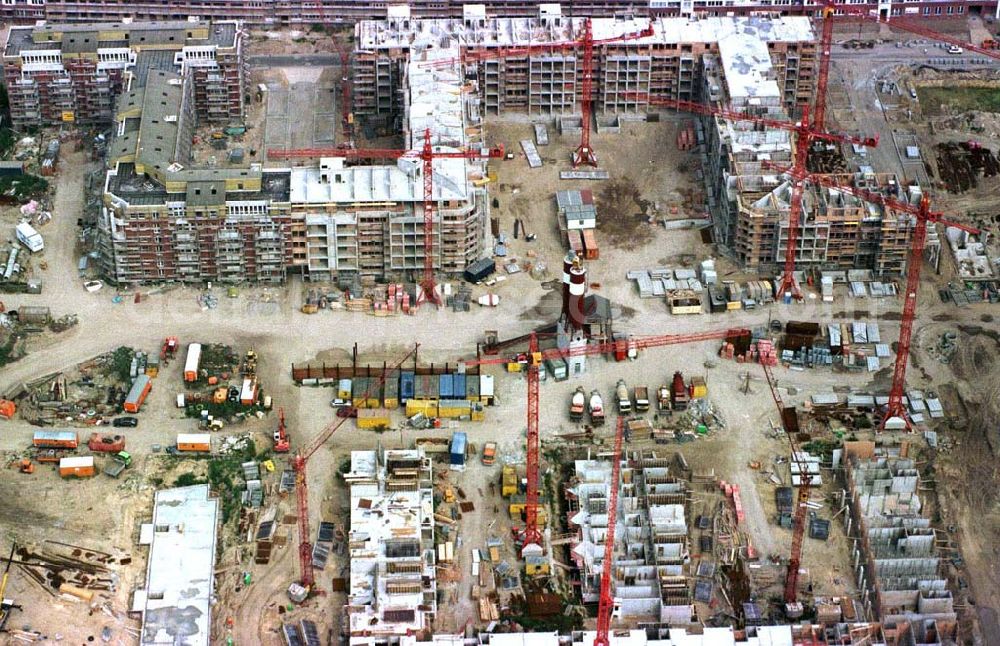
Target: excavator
[281, 444]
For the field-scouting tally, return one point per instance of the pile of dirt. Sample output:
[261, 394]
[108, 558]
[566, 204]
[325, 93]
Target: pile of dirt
[975, 362]
[622, 214]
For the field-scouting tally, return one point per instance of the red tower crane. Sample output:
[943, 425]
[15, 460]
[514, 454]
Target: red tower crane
[790, 424]
[923, 215]
[584, 153]
[302, 489]
[806, 132]
[532, 533]
[346, 111]
[606, 603]
[426, 155]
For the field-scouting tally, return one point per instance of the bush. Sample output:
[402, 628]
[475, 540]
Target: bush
[188, 479]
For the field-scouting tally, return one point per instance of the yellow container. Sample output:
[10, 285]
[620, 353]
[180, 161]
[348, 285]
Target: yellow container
[699, 388]
[513, 366]
[369, 418]
[509, 482]
[478, 414]
[428, 408]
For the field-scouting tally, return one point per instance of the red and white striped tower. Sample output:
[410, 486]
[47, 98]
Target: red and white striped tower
[568, 261]
[576, 314]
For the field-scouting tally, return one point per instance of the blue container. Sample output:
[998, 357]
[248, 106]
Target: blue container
[406, 380]
[446, 388]
[457, 452]
[458, 386]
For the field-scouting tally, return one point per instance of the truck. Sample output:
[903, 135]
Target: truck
[624, 402]
[663, 399]
[489, 454]
[99, 443]
[55, 440]
[679, 396]
[118, 463]
[29, 237]
[192, 362]
[596, 408]
[641, 399]
[576, 404]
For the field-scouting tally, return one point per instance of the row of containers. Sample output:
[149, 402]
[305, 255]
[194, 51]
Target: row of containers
[399, 387]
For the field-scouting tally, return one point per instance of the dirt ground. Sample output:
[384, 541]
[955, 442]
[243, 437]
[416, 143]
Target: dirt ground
[102, 513]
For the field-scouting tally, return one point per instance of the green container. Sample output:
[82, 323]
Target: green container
[702, 429]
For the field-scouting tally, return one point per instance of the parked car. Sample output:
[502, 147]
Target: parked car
[125, 422]
[955, 49]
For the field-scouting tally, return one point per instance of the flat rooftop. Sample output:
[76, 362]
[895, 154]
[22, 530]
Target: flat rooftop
[176, 602]
[78, 37]
[747, 65]
[504, 32]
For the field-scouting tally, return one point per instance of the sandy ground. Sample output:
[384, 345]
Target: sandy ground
[269, 321]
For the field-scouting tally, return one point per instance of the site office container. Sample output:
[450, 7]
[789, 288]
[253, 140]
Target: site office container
[193, 362]
[486, 389]
[458, 386]
[446, 386]
[427, 387]
[137, 394]
[78, 466]
[454, 409]
[390, 390]
[194, 442]
[456, 453]
[406, 385]
[344, 389]
[472, 388]
[369, 418]
[55, 440]
[248, 393]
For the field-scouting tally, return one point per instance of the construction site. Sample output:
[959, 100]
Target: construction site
[410, 329]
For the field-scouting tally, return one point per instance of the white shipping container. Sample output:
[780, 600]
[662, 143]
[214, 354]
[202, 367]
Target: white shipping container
[192, 363]
[30, 238]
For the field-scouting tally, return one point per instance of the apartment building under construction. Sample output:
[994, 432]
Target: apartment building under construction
[749, 198]
[166, 218]
[73, 73]
[898, 565]
[651, 578]
[393, 582]
[303, 13]
[517, 72]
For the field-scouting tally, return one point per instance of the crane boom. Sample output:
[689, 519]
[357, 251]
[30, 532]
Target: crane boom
[301, 485]
[790, 424]
[606, 602]
[532, 534]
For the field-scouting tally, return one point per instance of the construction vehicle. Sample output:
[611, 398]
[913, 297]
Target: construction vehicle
[489, 454]
[7, 409]
[577, 404]
[596, 408]
[641, 399]
[624, 401]
[248, 368]
[119, 462]
[679, 396]
[663, 399]
[106, 443]
[169, 349]
[25, 466]
[281, 443]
